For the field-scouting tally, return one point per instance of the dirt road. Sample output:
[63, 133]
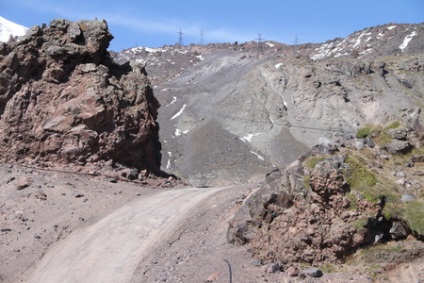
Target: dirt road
[110, 249]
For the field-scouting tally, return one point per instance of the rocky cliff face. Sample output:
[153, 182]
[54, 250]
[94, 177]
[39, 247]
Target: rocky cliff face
[63, 100]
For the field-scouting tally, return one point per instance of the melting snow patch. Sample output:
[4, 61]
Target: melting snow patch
[168, 164]
[249, 137]
[257, 155]
[179, 112]
[178, 132]
[152, 50]
[174, 99]
[391, 27]
[277, 66]
[365, 52]
[358, 41]
[407, 40]
[200, 57]
[325, 50]
[270, 44]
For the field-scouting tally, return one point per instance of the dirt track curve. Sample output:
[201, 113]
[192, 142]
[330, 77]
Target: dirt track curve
[110, 249]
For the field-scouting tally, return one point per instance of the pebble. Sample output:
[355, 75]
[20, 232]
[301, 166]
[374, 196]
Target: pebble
[23, 182]
[293, 271]
[272, 268]
[313, 272]
[256, 262]
[112, 180]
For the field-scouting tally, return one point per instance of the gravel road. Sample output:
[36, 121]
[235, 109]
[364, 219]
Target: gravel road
[110, 249]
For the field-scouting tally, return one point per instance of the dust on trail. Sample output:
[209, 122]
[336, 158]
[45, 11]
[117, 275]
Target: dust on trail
[110, 249]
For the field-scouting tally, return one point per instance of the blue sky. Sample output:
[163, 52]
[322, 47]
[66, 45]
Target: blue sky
[154, 23]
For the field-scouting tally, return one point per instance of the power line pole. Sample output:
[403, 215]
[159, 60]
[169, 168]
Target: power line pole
[180, 38]
[296, 43]
[260, 45]
[201, 37]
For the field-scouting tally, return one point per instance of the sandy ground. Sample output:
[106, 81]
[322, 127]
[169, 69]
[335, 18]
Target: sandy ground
[79, 228]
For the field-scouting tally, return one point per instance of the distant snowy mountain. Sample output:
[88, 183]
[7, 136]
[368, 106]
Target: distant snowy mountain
[8, 28]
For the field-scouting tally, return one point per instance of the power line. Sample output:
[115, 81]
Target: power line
[180, 38]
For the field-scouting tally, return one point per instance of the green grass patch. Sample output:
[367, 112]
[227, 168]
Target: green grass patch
[367, 130]
[401, 159]
[363, 132]
[306, 184]
[328, 268]
[360, 178]
[371, 186]
[392, 125]
[313, 160]
[383, 138]
[414, 215]
[360, 223]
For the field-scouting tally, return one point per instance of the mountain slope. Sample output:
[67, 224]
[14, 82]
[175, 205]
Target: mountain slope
[232, 112]
[9, 29]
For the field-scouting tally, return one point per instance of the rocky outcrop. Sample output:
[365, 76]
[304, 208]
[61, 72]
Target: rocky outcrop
[63, 100]
[323, 208]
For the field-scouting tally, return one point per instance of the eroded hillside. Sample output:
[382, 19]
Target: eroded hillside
[232, 112]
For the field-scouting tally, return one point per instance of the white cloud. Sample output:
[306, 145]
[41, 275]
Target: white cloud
[141, 23]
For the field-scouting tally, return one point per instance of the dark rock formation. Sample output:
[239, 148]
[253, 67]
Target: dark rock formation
[63, 100]
[307, 214]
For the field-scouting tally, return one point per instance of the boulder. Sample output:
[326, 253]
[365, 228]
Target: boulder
[399, 230]
[398, 146]
[63, 100]
[313, 272]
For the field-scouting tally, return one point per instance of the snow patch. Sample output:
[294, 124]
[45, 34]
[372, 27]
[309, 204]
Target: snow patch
[200, 57]
[270, 44]
[174, 99]
[249, 137]
[168, 164]
[325, 50]
[407, 40]
[257, 155]
[8, 28]
[391, 27]
[277, 66]
[178, 132]
[154, 50]
[179, 112]
[358, 41]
